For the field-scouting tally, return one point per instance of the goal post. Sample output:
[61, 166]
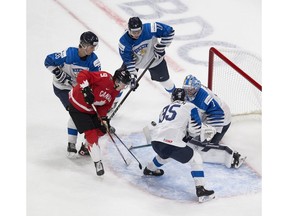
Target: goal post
[235, 75]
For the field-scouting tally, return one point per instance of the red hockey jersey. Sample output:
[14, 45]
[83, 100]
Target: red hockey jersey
[102, 85]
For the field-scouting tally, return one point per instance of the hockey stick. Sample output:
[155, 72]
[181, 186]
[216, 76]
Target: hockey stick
[94, 108]
[140, 166]
[140, 146]
[130, 90]
[102, 122]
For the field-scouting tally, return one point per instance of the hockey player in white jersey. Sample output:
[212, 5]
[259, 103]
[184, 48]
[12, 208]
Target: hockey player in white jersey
[174, 121]
[65, 66]
[215, 113]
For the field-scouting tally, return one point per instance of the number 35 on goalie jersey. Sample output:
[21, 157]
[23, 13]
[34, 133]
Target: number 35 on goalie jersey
[174, 120]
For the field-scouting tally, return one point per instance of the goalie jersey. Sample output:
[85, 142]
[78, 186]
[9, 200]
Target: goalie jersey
[213, 111]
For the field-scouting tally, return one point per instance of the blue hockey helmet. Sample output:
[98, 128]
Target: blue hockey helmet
[178, 94]
[191, 85]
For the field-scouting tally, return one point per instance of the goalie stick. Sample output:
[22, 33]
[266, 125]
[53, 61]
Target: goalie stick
[130, 90]
[140, 146]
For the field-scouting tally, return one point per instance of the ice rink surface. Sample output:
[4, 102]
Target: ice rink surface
[56, 185]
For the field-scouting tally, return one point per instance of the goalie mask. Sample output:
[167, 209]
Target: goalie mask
[191, 85]
[178, 94]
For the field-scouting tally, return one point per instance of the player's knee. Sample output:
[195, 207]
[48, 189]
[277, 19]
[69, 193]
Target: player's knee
[196, 159]
[91, 136]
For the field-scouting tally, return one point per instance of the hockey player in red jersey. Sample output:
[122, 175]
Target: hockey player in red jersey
[99, 89]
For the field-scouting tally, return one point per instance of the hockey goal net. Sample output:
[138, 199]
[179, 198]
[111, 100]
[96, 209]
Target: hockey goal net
[235, 76]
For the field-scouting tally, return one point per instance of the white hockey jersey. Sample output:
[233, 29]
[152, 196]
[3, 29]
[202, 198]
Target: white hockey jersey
[174, 121]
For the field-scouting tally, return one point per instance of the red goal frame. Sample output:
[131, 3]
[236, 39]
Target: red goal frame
[213, 51]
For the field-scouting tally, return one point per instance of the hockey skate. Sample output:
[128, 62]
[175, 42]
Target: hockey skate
[158, 172]
[71, 149]
[83, 150]
[237, 160]
[99, 168]
[203, 194]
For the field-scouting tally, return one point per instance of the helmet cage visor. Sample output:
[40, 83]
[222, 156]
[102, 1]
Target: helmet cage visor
[84, 45]
[120, 85]
[190, 91]
[136, 32]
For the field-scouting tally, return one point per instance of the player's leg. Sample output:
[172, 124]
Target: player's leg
[160, 74]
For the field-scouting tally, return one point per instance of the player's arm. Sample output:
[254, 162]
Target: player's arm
[165, 33]
[95, 65]
[194, 125]
[54, 63]
[129, 61]
[127, 55]
[55, 60]
[215, 114]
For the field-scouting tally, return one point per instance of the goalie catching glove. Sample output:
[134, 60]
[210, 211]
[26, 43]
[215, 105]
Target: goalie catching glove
[207, 133]
[87, 92]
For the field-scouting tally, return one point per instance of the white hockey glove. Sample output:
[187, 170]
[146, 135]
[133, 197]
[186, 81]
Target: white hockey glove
[207, 133]
[61, 76]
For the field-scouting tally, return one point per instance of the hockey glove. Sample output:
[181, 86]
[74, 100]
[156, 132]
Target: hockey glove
[106, 124]
[159, 51]
[87, 92]
[134, 84]
[61, 76]
[207, 133]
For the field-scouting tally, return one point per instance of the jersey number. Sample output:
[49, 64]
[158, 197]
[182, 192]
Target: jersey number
[169, 113]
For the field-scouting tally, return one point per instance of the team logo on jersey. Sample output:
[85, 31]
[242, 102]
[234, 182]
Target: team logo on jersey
[167, 141]
[141, 49]
[105, 95]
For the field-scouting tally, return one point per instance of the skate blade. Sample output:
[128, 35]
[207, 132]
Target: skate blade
[241, 161]
[100, 172]
[206, 198]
